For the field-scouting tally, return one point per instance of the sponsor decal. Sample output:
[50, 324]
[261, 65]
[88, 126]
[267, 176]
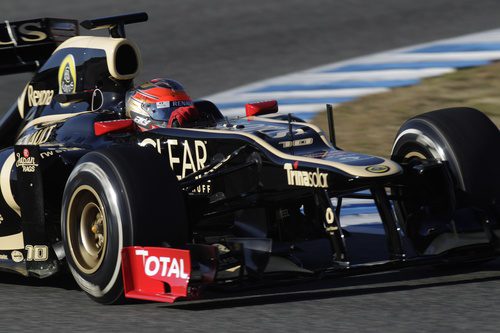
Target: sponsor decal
[37, 252]
[330, 218]
[30, 32]
[39, 136]
[17, 256]
[4, 257]
[377, 168]
[67, 75]
[153, 143]
[26, 162]
[180, 103]
[46, 154]
[281, 134]
[305, 178]
[185, 157]
[173, 104]
[283, 214]
[191, 159]
[142, 121]
[39, 97]
[163, 266]
[162, 105]
[146, 270]
[26, 33]
[297, 143]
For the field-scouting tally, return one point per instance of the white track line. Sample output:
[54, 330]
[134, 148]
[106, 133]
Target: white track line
[352, 92]
[388, 74]
[308, 76]
[423, 57]
[321, 78]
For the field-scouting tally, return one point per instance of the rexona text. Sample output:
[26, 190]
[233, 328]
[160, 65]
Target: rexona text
[39, 97]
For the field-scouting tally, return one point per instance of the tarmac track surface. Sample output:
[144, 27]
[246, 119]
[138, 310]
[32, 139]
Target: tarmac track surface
[216, 45]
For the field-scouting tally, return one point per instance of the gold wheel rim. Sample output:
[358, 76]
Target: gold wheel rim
[414, 154]
[86, 229]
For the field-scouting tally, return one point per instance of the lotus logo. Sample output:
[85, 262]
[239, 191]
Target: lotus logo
[378, 168]
[67, 75]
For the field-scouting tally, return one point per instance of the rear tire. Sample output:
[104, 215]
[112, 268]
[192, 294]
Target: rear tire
[118, 197]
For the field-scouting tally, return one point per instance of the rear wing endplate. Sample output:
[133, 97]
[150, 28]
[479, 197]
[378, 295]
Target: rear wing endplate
[26, 45]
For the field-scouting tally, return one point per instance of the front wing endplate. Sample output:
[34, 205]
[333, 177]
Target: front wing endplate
[155, 273]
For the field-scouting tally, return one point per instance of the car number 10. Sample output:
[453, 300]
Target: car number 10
[37, 252]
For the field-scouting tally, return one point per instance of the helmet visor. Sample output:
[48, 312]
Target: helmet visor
[161, 111]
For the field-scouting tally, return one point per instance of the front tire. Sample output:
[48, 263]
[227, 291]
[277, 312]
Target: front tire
[118, 197]
[464, 138]
[468, 144]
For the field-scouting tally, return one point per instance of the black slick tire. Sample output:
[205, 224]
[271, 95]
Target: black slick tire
[465, 138]
[132, 198]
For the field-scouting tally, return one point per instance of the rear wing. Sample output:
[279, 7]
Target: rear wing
[26, 45]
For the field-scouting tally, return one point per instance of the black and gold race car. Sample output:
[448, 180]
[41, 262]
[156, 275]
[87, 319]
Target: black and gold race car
[160, 214]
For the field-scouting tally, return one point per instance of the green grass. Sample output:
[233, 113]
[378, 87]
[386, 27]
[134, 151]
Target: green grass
[369, 124]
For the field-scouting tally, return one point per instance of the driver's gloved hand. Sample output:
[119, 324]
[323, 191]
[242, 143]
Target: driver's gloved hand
[181, 117]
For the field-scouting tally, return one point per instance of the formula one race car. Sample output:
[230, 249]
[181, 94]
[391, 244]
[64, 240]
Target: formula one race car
[160, 214]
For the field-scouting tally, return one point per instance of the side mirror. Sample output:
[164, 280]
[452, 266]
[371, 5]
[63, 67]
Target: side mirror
[94, 97]
[261, 108]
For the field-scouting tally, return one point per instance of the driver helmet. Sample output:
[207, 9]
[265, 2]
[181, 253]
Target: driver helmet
[151, 104]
